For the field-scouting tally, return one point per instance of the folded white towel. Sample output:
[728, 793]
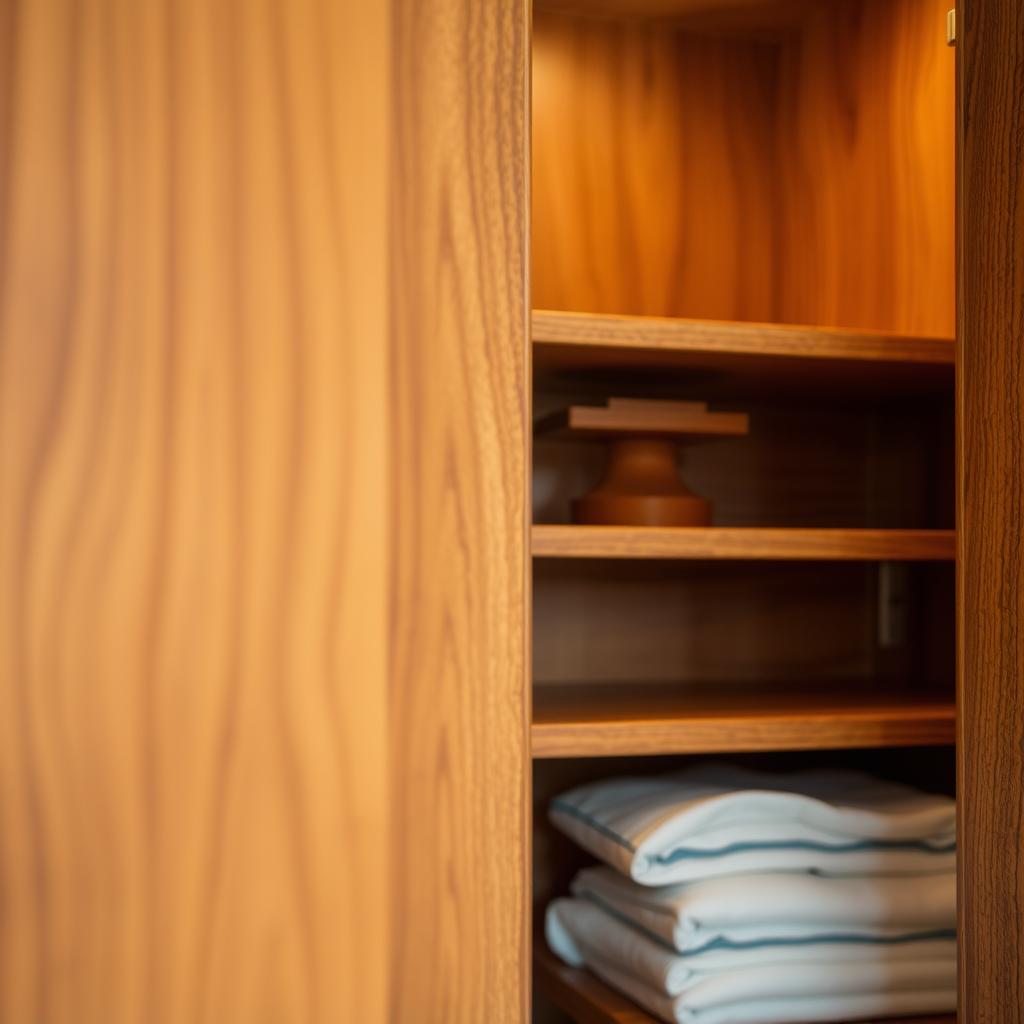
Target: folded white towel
[581, 933]
[866, 1005]
[713, 820]
[747, 911]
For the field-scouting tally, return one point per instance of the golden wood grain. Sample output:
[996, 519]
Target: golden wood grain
[614, 720]
[864, 167]
[652, 187]
[711, 542]
[736, 359]
[261, 574]
[800, 178]
[458, 514]
[579, 332]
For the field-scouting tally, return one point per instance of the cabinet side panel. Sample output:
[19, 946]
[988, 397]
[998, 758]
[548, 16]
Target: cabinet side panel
[991, 497]
[458, 520]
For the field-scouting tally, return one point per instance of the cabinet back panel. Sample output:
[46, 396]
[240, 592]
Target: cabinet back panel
[803, 177]
[652, 174]
[607, 621]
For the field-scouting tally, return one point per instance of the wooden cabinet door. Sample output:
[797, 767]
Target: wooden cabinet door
[263, 520]
[990, 300]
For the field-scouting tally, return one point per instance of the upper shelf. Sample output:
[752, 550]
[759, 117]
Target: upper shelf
[711, 542]
[750, 358]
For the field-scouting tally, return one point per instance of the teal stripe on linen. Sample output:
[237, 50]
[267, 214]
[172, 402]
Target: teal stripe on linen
[574, 812]
[829, 938]
[685, 853]
[689, 853]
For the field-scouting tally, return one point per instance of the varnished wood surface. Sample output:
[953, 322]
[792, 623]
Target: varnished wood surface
[864, 176]
[614, 720]
[588, 1000]
[668, 335]
[751, 543]
[652, 187]
[460, 408]
[990, 457]
[734, 359]
[806, 178]
[263, 434]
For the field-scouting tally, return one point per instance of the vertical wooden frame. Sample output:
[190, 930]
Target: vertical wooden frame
[459, 508]
[990, 432]
[263, 511]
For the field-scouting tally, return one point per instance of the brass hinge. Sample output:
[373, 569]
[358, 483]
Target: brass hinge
[951, 27]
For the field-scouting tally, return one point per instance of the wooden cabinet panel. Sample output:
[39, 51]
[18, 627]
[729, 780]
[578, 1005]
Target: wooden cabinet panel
[800, 174]
[991, 487]
[652, 186]
[262, 512]
[458, 514]
[865, 175]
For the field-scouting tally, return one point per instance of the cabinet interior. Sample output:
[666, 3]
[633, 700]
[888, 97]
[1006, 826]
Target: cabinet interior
[761, 163]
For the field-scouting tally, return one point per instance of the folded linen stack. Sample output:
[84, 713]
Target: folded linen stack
[739, 897]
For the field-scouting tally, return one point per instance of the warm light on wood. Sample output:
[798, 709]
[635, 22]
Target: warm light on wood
[802, 176]
[742, 543]
[620, 719]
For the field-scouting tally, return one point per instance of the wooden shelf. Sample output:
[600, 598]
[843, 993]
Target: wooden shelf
[711, 542]
[588, 1000]
[624, 719]
[755, 359]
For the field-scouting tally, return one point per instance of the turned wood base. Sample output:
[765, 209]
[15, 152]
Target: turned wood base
[641, 487]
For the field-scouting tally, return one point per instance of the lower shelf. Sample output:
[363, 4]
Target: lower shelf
[588, 1000]
[602, 720]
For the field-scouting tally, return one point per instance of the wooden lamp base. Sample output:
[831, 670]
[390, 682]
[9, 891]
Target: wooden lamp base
[641, 487]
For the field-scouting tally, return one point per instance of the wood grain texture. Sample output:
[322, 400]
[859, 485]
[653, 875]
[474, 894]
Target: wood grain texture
[651, 177]
[461, 407]
[630, 719]
[736, 360]
[865, 169]
[580, 332]
[806, 178]
[990, 458]
[556, 541]
[262, 577]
